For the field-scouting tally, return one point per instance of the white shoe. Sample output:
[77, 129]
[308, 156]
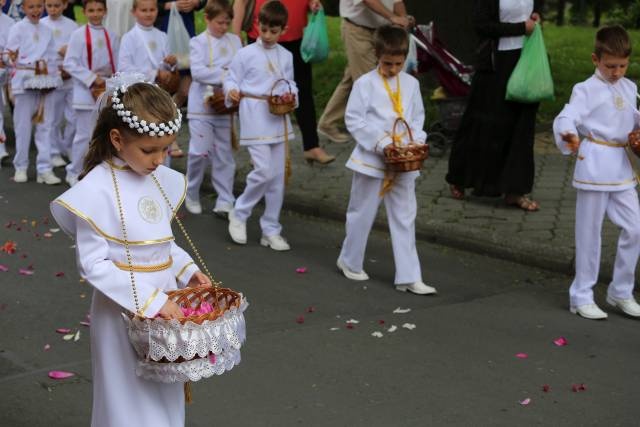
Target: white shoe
[193, 206]
[418, 288]
[20, 176]
[71, 180]
[628, 306]
[48, 178]
[351, 275]
[223, 210]
[237, 229]
[277, 243]
[58, 161]
[589, 311]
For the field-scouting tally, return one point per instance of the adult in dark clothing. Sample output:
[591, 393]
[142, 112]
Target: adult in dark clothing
[290, 40]
[493, 149]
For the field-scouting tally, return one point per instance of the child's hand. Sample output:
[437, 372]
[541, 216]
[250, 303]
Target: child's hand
[170, 310]
[13, 55]
[529, 25]
[572, 140]
[171, 60]
[234, 95]
[634, 140]
[62, 51]
[199, 279]
[99, 81]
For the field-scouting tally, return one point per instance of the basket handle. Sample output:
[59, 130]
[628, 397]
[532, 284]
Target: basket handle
[394, 135]
[275, 84]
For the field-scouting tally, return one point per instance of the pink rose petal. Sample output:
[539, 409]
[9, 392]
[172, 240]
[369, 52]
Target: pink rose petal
[63, 330]
[560, 341]
[47, 235]
[301, 270]
[85, 324]
[522, 355]
[526, 401]
[60, 375]
[546, 388]
[60, 274]
[47, 347]
[26, 272]
[4, 268]
[311, 309]
[300, 320]
[212, 359]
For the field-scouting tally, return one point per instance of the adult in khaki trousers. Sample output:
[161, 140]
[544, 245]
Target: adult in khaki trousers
[360, 18]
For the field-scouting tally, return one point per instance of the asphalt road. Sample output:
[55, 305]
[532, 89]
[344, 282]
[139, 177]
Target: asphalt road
[458, 367]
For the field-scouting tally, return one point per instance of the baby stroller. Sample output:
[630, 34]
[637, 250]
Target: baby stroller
[454, 78]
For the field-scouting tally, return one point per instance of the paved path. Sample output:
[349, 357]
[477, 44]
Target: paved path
[544, 238]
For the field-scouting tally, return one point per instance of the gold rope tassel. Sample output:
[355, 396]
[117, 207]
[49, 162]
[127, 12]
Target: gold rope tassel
[38, 117]
[235, 144]
[287, 158]
[387, 183]
[187, 393]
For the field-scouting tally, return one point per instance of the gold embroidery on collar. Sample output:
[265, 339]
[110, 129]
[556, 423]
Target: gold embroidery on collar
[108, 236]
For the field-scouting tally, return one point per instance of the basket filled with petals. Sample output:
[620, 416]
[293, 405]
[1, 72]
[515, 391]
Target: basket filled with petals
[399, 157]
[281, 104]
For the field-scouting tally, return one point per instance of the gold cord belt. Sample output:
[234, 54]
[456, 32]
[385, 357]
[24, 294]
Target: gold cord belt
[259, 97]
[144, 268]
[607, 143]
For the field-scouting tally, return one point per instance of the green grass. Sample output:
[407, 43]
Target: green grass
[569, 51]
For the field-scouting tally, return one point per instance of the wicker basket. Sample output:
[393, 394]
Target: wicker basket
[277, 105]
[404, 158]
[172, 83]
[634, 142]
[41, 68]
[216, 101]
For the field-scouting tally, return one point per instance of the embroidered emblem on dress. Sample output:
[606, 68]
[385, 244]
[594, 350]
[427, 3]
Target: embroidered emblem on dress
[152, 45]
[57, 33]
[619, 102]
[36, 37]
[149, 210]
[100, 43]
[223, 51]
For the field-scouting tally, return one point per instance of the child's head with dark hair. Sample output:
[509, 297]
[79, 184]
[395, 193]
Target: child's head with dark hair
[391, 40]
[391, 47]
[94, 10]
[273, 14]
[611, 53]
[272, 21]
[115, 137]
[218, 15]
[613, 40]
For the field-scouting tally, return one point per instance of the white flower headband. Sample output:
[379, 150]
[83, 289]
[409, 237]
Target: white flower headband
[142, 126]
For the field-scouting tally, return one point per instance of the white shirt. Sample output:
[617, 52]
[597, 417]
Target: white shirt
[142, 50]
[254, 71]
[62, 29]
[370, 116]
[210, 59]
[607, 113]
[34, 42]
[513, 11]
[359, 13]
[76, 62]
[5, 24]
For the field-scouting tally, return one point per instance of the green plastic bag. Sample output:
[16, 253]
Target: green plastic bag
[315, 40]
[531, 80]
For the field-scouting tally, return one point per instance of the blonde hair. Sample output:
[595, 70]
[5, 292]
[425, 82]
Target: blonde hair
[135, 4]
[145, 100]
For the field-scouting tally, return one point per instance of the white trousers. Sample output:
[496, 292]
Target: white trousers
[265, 180]
[210, 144]
[62, 136]
[623, 210]
[401, 206]
[26, 106]
[85, 123]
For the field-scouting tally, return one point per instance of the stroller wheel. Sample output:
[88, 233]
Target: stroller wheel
[438, 144]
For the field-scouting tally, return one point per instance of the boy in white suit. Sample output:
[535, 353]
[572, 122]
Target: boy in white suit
[251, 77]
[30, 41]
[5, 24]
[377, 100]
[595, 125]
[62, 28]
[211, 53]
[90, 59]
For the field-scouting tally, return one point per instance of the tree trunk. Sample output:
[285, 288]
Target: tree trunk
[597, 12]
[562, 5]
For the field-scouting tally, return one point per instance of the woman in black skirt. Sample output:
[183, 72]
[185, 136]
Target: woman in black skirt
[493, 149]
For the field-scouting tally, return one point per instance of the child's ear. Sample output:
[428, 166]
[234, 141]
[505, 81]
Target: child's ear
[595, 59]
[284, 30]
[116, 139]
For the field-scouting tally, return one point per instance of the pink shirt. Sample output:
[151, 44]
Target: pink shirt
[298, 10]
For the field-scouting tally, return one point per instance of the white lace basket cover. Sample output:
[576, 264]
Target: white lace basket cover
[43, 81]
[169, 351]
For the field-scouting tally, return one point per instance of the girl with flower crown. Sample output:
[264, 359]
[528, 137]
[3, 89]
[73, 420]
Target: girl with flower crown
[120, 215]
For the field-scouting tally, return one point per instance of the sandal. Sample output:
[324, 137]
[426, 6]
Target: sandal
[456, 192]
[522, 202]
[175, 151]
